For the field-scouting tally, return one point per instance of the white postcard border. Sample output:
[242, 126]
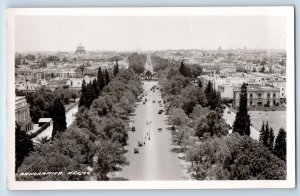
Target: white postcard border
[287, 11]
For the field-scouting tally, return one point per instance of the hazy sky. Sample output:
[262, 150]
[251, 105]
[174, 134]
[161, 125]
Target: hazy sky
[64, 33]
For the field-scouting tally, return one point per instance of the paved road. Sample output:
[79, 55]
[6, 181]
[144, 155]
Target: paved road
[70, 118]
[148, 65]
[156, 159]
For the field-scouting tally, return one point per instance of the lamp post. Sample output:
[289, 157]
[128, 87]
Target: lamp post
[149, 124]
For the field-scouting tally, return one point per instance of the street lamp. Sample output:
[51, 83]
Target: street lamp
[149, 124]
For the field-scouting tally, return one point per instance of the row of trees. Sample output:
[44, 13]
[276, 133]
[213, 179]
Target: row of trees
[92, 90]
[267, 138]
[41, 101]
[96, 140]
[242, 126]
[214, 153]
[137, 62]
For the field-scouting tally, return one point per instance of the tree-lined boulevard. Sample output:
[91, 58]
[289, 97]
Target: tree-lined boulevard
[127, 128]
[157, 159]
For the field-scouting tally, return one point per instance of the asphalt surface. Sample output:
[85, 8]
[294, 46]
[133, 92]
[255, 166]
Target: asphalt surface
[157, 159]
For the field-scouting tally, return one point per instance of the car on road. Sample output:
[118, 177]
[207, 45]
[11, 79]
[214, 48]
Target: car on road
[159, 129]
[135, 150]
[153, 101]
[144, 102]
[140, 143]
[160, 111]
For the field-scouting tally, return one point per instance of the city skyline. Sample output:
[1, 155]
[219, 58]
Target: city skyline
[48, 33]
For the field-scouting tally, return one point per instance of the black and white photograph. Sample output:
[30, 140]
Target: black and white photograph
[130, 98]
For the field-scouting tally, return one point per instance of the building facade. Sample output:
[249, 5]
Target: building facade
[22, 113]
[258, 96]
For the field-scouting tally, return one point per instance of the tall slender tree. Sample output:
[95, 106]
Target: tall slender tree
[83, 95]
[267, 134]
[116, 68]
[90, 95]
[183, 69]
[200, 84]
[271, 139]
[58, 117]
[213, 97]
[107, 79]
[96, 88]
[262, 133]
[280, 145]
[100, 79]
[242, 121]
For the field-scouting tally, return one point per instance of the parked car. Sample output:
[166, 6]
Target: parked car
[140, 143]
[144, 102]
[153, 101]
[136, 150]
[133, 129]
[159, 129]
[228, 112]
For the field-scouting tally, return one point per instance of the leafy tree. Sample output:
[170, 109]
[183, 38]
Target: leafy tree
[234, 158]
[191, 96]
[58, 117]
[148, 74]
[23, 146]
[100, 79]
[178, 117]
[182, 135]
[212, 124]
[107, 79]
[137, 62]
[109, 158]
[30, 57]
[242, 121]
[280, 145]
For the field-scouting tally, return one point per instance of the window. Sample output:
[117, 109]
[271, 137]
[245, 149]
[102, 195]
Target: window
[250, 103]
[268, 95]
[251, 95]
[274, 94]
[259, 94]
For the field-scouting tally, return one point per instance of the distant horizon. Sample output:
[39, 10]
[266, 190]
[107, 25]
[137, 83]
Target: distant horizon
[119, 51]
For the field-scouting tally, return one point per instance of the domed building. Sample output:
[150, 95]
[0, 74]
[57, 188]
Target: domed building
[80, 52]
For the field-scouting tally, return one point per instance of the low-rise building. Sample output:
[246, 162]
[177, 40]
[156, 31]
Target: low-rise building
[257, 96]
[22, 113]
